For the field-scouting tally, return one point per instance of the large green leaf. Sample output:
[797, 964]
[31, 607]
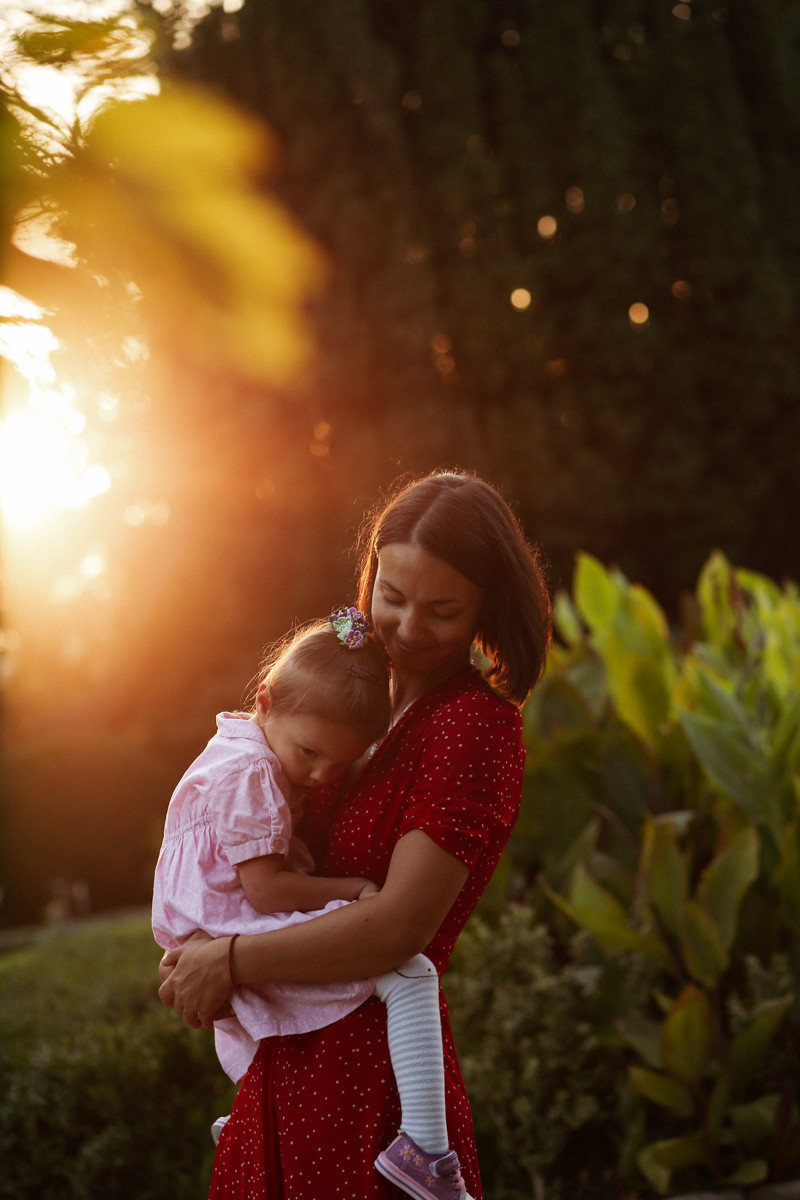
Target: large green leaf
[715, 589]
[703, 952]
[630, 632]
[755, 1170]
[602, 919]
[631, 780]
[717, 1108]
[738, 769]
[586, 671]
[713, 697]
[641, 688]
[596, 594]
[664, 873]
[690, 1036]
[726, 879]
[745, 1054]
[785, 749]
[755, 1122]
[780, 660]
[557, 705]
[644, 1036]
[663, 1090]
[658, 1160]
[786, 877]
[566, 620]
[587, 893]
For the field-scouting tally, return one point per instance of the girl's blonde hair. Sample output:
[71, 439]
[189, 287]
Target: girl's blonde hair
[312, 672]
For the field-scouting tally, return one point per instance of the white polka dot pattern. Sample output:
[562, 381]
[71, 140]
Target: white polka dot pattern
[315, 1109]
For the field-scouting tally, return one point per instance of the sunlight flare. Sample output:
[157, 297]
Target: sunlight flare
[44, 467]
[45, 461]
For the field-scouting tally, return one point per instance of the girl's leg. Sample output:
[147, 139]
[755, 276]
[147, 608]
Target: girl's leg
[411, 996]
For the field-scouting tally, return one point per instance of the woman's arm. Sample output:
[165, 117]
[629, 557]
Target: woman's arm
[271, 888]
[353, 942]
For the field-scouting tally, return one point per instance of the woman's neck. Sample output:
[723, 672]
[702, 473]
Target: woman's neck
[406, 689]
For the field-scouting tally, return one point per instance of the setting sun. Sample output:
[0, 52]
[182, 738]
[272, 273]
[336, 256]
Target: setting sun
[44, 468]
[45, 462]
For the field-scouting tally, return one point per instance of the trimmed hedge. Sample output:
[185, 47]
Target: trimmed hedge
[103, 1093]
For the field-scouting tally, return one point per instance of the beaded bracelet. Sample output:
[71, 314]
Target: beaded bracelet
[234, 984]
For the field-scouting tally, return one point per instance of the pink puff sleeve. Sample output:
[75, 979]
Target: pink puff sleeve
[467, 784]
[251, 814]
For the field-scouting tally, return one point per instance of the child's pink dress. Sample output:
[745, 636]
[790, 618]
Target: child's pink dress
[233, 804]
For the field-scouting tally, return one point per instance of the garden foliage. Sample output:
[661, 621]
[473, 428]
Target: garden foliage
[632, 1029]
[531, 1032]
[103, 1092]
[663, 816]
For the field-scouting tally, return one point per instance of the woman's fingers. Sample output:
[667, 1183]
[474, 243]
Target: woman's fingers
[167, 964]
[195, 980]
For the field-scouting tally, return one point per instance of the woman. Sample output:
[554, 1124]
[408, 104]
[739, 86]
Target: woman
[445, 566]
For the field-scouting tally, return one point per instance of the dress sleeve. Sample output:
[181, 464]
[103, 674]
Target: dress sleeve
[467, 786]
[251, 815]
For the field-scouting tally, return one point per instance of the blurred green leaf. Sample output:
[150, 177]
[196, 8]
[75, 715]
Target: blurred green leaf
[749, 1173]
[664, 873]
[735, 767]
[746, 1051]
[690, 1036]
[726, 879]
[663, 1090]
[786, 876]
[566, 620]
[703, 952]
[755, 1122]
[644, 1036]
[596, 596]
[599, 912]
[659, 1160]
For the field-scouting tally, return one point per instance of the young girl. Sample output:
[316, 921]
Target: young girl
[231, 864]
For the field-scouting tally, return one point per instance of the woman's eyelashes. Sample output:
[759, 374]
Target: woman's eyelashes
[397, 602]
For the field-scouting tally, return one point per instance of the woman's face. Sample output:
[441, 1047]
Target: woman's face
[425, 612]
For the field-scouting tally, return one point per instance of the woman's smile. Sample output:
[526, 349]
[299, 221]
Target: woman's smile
[424, 611]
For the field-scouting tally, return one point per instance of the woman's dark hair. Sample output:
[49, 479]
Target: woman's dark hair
[311, 672]
[462, 520]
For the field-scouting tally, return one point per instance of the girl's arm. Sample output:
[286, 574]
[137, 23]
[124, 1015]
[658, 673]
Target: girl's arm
[353, 942]
[271, 888]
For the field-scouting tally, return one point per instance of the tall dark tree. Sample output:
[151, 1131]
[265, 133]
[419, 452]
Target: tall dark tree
[424, 144]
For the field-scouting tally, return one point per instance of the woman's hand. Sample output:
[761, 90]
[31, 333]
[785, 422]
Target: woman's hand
[357, 941]
[196, 980]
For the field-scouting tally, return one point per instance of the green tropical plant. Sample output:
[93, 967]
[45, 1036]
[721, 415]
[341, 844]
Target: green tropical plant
[663, 810]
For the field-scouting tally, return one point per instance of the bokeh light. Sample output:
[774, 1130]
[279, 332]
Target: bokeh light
[574, 199]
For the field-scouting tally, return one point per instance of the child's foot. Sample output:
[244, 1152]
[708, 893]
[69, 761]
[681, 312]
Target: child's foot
[422, 1175]
[217, 1127]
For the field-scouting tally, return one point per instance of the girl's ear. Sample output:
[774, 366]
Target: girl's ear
[263, 700]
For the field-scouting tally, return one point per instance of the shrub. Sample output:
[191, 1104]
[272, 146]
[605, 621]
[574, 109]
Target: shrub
[663, 815]
[103, 1093]
[545, 1081]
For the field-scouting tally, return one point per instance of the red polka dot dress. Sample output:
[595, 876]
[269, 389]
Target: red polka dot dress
[315, 1109]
